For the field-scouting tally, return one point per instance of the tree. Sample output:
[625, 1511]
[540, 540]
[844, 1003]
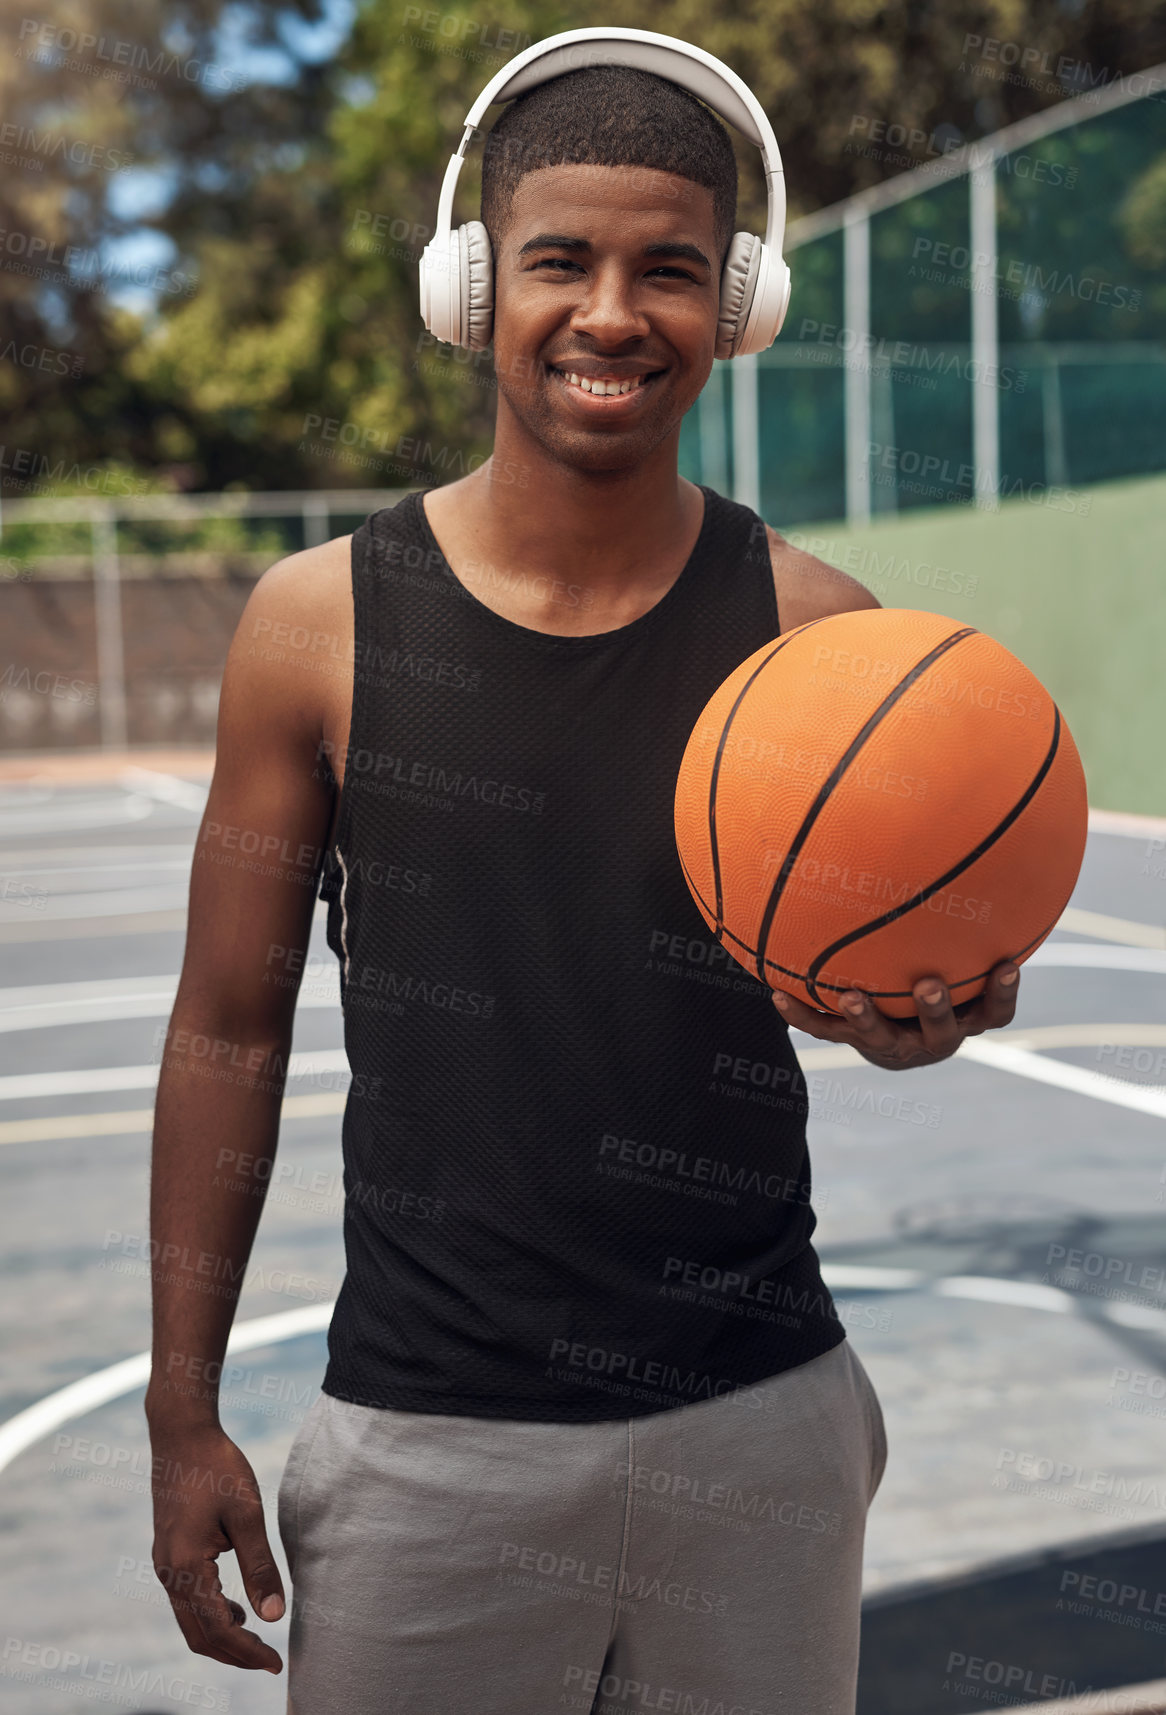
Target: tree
[299, 359]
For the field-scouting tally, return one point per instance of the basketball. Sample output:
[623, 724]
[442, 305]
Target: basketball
[877, 797]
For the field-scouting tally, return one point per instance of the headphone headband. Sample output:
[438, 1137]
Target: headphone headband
[573, 50]
[714, 83]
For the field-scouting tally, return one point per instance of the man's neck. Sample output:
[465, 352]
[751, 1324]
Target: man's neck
[527, 523]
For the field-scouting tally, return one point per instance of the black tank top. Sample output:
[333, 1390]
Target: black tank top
[575, 1168]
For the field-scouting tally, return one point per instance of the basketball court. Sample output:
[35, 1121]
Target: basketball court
[991, 1230]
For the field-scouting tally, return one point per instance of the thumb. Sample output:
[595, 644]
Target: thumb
[257, 1566]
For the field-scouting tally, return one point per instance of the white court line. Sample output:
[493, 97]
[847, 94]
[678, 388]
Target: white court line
[49, 1006]
[1024, 1063]
[60, 1126]
[89, 870]
[43, 1006]
[1085, 1036]
[73, 817]
[1105, 928]
[1137, 1316]
[1031, 1294]
[1068, 953]
[862, 1279]
[79, 1397]
[1140, 1098]
[30, 1086]
[1127, 822]
[99, 902]
[68, 1003]
[32, 1424]
[81, 1002]
[106, 854]
[166, 788]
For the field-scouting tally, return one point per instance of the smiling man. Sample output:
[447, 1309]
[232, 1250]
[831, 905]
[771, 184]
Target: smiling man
[591, 1434]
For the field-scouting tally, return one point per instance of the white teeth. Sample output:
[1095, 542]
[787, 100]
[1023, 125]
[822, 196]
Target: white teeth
[603, 389]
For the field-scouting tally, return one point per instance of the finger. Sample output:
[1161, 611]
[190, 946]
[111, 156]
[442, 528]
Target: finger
[227, 1639]
[194, 1590]
[940, 1028]
[210, 1628]
[188, 1623]
[998, 1002]
[995, 1007]
[827, 1027]
[260, 1574]
[871, 1031]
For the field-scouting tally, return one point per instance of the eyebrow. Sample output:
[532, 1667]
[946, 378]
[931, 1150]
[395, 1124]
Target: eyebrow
[666, 247]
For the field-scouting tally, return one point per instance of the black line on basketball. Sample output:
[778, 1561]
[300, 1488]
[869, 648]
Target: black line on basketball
[972, 857]
[714, 848]
[960, 983]
[835, 776]
[839, 988]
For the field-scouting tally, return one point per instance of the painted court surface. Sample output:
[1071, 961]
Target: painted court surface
[991, 1229]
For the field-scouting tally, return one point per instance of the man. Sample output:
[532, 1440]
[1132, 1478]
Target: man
[591, 1434]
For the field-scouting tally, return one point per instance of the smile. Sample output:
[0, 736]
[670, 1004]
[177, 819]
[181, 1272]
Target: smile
[603, 386]
[614, 396]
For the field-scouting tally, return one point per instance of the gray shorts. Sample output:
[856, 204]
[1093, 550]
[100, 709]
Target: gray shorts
[705, 1560]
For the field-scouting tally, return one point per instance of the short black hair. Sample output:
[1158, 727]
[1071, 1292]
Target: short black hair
[609, 116]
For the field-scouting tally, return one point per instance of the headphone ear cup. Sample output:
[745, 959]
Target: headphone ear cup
[738, 282]
[441, 289]
[762, 315]
[477, 295]
[787, 288]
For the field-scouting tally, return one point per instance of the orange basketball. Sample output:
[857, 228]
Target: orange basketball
[877, 797]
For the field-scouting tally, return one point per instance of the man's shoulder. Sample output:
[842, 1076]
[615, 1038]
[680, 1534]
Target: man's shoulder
[298, 616]
[310, 575]
[808, 588]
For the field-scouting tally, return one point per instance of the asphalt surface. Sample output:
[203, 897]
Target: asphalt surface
[1018, 1341]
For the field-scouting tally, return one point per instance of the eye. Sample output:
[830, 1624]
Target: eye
[560, 264]
[673, 273]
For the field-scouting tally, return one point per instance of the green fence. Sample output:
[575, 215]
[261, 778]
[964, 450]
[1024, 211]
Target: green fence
[989, 325]
[972, 348]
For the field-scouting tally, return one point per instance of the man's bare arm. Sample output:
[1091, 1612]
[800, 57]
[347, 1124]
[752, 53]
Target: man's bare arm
[252, 894]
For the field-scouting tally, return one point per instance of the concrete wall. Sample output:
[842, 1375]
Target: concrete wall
[177, 630]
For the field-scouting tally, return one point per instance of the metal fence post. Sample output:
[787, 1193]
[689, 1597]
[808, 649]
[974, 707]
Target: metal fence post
[1056, 468]
[714, 451]
[882, 430]
[746, 433]
[856, 362]
[314, 512]
[111, 684]
[985, 336]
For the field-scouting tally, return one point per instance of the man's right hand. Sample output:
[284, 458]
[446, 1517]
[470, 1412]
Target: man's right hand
[206, 1500]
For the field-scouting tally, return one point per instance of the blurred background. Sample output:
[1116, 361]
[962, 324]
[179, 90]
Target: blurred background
[211, 217]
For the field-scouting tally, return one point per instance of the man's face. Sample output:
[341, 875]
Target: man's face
[605, 274]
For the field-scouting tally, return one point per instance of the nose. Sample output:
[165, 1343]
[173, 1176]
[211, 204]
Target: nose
[608, 313]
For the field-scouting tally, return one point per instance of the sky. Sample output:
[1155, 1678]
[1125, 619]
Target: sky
[141, 193]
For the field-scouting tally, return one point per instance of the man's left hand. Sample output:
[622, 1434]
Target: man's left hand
[899, 1043]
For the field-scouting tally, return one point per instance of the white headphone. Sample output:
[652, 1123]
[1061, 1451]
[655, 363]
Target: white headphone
[457, 268]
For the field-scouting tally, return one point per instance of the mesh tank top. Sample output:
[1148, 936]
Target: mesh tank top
[576, 1178]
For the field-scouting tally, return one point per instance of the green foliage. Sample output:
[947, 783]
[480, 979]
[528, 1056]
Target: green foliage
[300, 210]
[1143, 217]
